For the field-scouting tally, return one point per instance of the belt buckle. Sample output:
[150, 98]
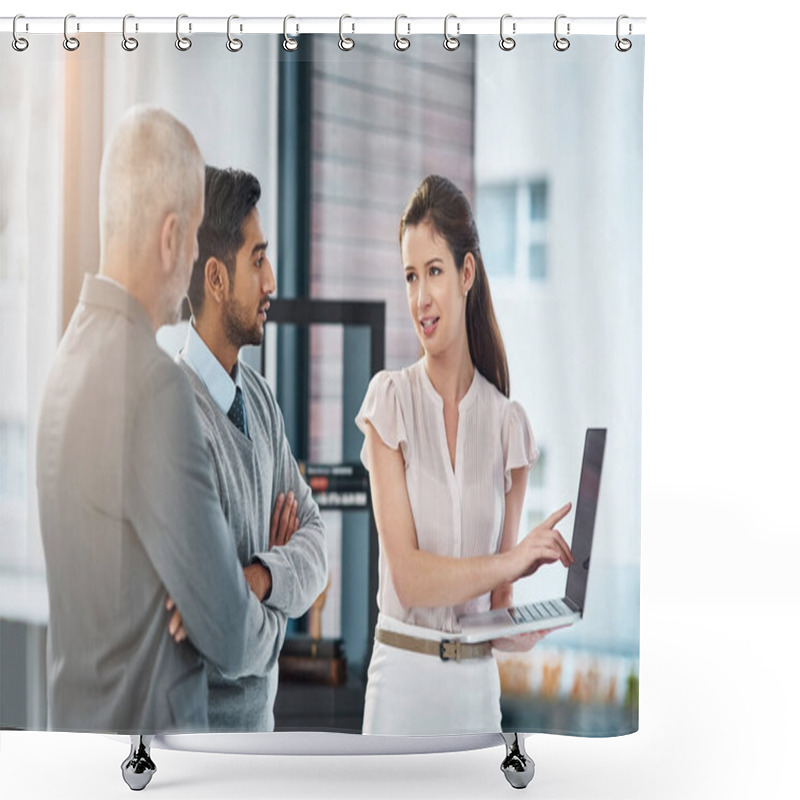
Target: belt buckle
[454, 654]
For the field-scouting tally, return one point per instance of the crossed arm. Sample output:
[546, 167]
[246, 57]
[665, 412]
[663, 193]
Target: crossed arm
[283, 525]
[298, 565]
[290, 575]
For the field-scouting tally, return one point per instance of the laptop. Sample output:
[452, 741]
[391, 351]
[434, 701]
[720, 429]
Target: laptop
[558, 612]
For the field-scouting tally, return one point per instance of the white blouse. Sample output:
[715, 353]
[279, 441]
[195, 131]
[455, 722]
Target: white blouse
[457, 513]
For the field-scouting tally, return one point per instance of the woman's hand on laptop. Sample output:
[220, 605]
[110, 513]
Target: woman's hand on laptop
[543, 545]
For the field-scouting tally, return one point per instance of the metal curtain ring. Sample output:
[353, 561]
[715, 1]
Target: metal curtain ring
[507, 42]
[623, 45]
[290, 44]
[233, 44]
[183, 43]
[345, 43]
[451, 42]
[128, 42]
[561, 43]
[70, 42]
[18, 42]
[400, 42]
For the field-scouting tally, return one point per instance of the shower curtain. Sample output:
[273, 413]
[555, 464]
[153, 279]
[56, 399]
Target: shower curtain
[544, 144]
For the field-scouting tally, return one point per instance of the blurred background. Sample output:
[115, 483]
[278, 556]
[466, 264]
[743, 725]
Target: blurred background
[548, 148]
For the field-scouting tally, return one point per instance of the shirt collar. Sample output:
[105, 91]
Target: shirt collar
[205, 365]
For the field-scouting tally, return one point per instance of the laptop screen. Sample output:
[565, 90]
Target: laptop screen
[585, 513]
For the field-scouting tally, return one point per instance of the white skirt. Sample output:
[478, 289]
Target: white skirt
[412, 694]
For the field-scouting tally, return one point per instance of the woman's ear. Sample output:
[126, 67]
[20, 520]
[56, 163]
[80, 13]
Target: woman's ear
[468, 273]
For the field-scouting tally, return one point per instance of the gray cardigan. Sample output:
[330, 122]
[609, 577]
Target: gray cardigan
[249, 475]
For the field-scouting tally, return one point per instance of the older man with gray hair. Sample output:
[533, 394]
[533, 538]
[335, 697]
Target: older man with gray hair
[129, 513]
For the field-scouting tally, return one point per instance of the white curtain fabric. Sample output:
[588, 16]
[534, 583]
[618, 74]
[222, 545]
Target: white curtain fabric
[546, 145]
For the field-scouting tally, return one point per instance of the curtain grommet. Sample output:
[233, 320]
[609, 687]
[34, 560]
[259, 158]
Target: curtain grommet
[19, 43]
[183, 43]
[290, 43]
[129, 43]
[345, 42]
[70, 43]
[401, 43]
[451, 43]
[561, 43]
[233, 44]
[507, 43]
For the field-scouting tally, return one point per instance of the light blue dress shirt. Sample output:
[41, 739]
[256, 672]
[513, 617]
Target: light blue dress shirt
[221, 386]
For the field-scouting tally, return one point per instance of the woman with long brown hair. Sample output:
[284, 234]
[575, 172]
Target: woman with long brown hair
[448, 455]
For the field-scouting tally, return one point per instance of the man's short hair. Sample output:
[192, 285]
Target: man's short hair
[151, 167]
[231, 194]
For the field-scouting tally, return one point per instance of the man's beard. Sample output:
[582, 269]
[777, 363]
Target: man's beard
[238, 331]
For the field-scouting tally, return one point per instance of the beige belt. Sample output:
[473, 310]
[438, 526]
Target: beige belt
[446, 649]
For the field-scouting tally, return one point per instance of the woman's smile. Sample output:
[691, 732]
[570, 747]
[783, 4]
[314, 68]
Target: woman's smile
[429, 325]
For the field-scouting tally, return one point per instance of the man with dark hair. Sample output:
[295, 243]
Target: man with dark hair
[276, 525]
[231, 196]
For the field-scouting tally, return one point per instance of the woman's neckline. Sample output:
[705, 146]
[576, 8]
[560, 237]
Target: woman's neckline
[431, 389]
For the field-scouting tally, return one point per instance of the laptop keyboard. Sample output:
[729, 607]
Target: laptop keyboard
[533, 612]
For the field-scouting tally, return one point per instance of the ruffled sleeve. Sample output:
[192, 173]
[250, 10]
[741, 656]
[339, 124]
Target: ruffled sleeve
[381, 408]
[519, 446]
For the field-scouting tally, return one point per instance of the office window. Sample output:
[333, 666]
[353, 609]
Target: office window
[536, 230]
[496, 215]
[513, 224]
